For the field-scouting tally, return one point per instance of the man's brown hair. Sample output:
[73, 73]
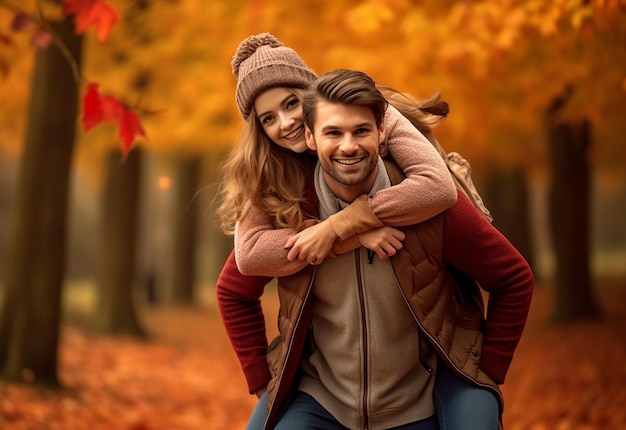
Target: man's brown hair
[347, 87]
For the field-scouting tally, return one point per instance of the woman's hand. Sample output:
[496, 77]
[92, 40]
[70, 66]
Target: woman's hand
[311, 244]
[385, 241]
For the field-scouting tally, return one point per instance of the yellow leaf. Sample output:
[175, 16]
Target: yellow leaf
[580, 16]
[369, 17]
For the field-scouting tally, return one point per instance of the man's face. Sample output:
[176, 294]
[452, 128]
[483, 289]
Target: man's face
[347, 140]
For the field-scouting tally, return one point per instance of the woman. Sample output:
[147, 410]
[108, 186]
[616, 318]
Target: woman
[268, 194]
[264, 187]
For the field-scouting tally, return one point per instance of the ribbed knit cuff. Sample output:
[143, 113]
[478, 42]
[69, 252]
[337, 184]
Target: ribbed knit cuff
[494, 365]
[257, 376]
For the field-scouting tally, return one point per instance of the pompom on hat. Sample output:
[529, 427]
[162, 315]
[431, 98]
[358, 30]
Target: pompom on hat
[262, 62]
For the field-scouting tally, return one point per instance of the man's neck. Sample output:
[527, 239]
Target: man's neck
[349, 193]
[331, 201]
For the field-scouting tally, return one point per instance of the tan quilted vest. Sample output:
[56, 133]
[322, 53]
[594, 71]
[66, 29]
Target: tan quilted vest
[450, 317]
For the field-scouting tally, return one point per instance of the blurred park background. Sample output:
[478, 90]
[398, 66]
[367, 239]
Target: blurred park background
[89, 237]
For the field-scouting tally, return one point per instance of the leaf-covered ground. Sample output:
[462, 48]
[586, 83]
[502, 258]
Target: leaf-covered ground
[569, 377]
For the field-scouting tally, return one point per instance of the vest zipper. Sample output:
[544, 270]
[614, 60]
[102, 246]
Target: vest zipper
[364, 339]
[279, 384]
[441, 353]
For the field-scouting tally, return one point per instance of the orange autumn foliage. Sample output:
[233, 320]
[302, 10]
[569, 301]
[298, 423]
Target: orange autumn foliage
[498, 63]
[88, 14]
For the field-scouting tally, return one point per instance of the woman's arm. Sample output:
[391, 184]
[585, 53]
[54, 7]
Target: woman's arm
[238, 298]
[472, 245]
[385, 241]
[428, 189]
[260, 248]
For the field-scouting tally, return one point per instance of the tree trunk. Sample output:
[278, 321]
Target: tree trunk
[570, 215]
[186, 213]
[507, 197]
[116, 312]
[7, 187]
[30, 317]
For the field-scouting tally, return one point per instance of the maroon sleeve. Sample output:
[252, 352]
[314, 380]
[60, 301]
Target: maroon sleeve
[474, 246]
[238, 298]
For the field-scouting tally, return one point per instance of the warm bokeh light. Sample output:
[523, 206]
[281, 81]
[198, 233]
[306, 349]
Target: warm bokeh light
[164, 182]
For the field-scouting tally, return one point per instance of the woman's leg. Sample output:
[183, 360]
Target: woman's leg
[461, 405]
[257, 419]
[306, 414]
[429, 423]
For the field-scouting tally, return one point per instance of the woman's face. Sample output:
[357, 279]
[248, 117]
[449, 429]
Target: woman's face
[279, 112]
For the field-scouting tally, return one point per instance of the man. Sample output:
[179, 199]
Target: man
[369, 343]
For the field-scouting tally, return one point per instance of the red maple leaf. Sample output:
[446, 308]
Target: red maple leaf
[128, 127]
[92, 13]
[98, 108]
[92, 111]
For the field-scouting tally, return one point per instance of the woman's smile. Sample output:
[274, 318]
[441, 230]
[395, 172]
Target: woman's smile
[295, 135]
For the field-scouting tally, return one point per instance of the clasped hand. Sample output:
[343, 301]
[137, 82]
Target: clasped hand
[311, 244]
[315, 243]
[384, 241]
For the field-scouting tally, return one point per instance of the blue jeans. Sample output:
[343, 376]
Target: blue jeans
[459, 405]
[306, 414]
[462, 405]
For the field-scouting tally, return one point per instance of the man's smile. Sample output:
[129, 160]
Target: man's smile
[349, 161]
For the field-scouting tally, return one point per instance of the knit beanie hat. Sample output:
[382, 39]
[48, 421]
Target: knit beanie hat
[262, 62]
